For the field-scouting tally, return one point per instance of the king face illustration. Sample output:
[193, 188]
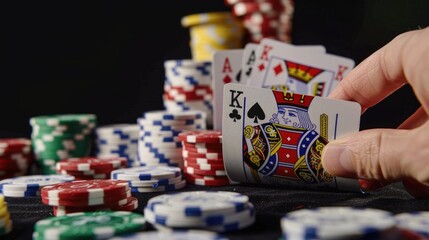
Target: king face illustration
[288, 145]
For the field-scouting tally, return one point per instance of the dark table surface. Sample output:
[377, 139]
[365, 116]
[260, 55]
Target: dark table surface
[271, 203]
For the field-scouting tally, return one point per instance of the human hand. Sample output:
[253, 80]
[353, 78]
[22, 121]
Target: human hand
[382, 156]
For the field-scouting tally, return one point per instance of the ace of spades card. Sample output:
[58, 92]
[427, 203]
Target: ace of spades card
[226, 69]
[277, 137]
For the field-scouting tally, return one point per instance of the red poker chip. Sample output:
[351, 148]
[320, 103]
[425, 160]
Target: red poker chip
[207, 181]
[106, 202]
[192, 170]
[201, 136]
[202, 150]
[91, 163]
[203, 145]
[131, 206]
[85, 189]
[14, 143]
[202, 166]
[186, 97]
[204, 161]
[268, 7]
[188, 154]
[85, 173]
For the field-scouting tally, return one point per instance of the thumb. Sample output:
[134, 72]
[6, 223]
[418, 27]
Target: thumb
[377, 154]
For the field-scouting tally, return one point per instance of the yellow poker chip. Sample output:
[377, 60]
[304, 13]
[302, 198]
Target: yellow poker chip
[3, 211]
[1, 200]
[219, 33]
[204, 18]
[4, 221]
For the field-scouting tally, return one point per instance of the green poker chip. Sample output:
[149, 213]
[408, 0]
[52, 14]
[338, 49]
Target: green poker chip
[89, 225]
[63, 119]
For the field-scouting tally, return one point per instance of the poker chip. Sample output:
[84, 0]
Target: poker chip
[166, 115]
[207, 180]
[16, 157]
[214, 210]
[131, 205]
[193, 234]
[89, 225]
[6, 225]
[29, 186]
[160, 188]
[118, 140]
[212, 31]
[56, 137]
[339, 223]
[87, 168]
[201, 136]
[416, 222]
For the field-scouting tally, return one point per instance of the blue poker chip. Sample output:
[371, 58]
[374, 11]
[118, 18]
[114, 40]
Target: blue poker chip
[146, 173]
[339, 223]
[172, 235]
[416, 221]
[222, 220]
[198, 203]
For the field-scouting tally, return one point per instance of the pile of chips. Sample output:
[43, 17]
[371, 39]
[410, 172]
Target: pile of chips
[188, 86]
[29, 186]
[89, 225]
[339, 223]
[218, 211]
[203, 159]
[89, 196]
[158, 143]
[414, 224]
[16, 157]
[212, 31]
[118, 140]
[264, 18]
[57, 137]
[151, 178]
[192, 234]
[5, 220]
[89, 168]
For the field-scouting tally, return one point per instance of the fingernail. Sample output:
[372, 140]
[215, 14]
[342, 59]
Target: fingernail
[337, 159]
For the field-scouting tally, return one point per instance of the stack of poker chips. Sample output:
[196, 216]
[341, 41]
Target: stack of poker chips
[413, 225]
[98, 225]
[5, 220]
[218, 211]
[16, 157]
[190, 234]
[212, 31]
[56, 137]
[188, 86]
[118, 140]
[158, 143]
[339, 223]
[203, 159]
[151, 178]
[89, 196]
[264, 18]
[29, 186]
[88, 168]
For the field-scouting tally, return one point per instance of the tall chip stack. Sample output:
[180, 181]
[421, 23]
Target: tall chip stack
[264, 18]
[158, 142]
[188, 86]
[212, 31]
[16, 157]
[118, 140]
[56, 137]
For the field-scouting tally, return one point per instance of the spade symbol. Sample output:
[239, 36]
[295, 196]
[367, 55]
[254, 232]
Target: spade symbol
[235, 115]
[238, 76]
[256, 113]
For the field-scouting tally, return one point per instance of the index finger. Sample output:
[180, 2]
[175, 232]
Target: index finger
[376, 77]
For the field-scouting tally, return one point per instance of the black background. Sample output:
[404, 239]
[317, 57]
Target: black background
[106, 57]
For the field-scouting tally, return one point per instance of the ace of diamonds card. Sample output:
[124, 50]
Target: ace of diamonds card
[277, 137]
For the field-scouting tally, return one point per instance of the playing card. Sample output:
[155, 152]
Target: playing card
[277, 137]
[268, 47]
[248, 59]
[226, 68]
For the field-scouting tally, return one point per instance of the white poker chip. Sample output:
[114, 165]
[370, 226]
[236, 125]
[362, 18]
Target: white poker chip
[337, 223]
[198, 203]
[155, 183]
[170, 187]
[169, 115]
[32, 182]
[209, 220]
[146, 173]
[172, 235]
[417, 222]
